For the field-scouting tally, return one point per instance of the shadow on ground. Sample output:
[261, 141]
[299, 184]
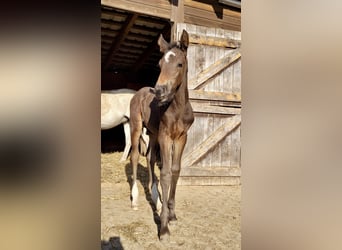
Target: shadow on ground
[113, 243]
[142, 176]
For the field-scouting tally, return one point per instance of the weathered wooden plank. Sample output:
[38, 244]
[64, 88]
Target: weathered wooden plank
[219, 52]
[177, 11]
[199, 151]
[237, 77]
[157, 8]
[236, 147]
[210, 19]
[208, 181]
[210, 58]
[210, 5]
[200, 64]
[214, 41]
[218, 23]
[212, 171]
[211, 109]
[225, 145]
[214, 96]
[212, 70]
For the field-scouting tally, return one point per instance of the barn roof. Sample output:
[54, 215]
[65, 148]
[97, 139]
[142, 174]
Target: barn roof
[130, 29]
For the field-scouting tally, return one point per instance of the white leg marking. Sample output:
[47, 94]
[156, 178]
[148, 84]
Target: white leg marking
[135, 194]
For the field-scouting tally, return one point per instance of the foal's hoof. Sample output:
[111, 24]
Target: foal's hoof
[164, 235]
[173, 220]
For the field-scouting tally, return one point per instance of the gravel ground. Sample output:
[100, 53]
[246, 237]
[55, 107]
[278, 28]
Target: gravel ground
[209, 217]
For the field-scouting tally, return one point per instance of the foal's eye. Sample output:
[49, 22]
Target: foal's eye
[180, 65]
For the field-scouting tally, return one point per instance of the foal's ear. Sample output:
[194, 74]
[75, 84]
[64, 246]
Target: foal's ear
[163, 45]
[184, 41]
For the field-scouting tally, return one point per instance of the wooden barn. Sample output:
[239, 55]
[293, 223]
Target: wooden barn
[130, 55]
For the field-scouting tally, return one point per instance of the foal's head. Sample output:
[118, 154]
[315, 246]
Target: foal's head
[173, 68]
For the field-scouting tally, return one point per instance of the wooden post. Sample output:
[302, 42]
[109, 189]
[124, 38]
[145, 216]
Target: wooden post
[177, 16]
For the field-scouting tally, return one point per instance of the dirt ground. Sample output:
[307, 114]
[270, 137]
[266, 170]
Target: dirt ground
[208, 216]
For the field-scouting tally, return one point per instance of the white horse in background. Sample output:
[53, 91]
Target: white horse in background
[115, 110]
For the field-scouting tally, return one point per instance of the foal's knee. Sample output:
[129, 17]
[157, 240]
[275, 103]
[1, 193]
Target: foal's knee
[175, 169]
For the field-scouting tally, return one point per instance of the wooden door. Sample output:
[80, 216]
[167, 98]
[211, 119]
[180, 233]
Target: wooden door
[212, 154]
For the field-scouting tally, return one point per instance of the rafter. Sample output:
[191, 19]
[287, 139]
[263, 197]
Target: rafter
[121, 36]
[151, 48]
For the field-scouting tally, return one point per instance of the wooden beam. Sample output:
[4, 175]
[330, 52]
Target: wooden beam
[202, 20]
[160, 8]
[151, 22]
[116, 25]
[121, 37]
[113, 13]
[214, 96]
[109, 31]
[211, 14]
[212, 109]
[177, 16]
[141, 38]
[212, 70]
[226, 42]
[209, 181]
[140, 28]
[213, 171]
[210, 7]
[107, 38]
[177, 11]
[198, 152]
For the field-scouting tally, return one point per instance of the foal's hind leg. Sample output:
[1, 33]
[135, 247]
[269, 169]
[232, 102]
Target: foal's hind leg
[136, 127]
[153, 182]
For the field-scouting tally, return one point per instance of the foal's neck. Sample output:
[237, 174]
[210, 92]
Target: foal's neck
[182, 95]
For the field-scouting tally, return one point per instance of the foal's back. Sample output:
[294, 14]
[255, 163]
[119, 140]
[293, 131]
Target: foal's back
[144, 110]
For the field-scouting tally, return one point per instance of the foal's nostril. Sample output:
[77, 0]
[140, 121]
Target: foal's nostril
[160, 91]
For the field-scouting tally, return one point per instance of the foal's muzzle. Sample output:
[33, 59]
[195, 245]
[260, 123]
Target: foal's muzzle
[162, 94]
[161, 91]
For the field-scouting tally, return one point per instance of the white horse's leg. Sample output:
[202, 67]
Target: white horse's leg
[127, 141]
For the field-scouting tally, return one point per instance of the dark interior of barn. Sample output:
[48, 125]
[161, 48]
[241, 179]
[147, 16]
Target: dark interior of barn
[129, 58]
[129, 49]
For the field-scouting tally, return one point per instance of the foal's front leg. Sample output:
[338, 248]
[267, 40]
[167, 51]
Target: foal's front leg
[178, 148]
[165, 143]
